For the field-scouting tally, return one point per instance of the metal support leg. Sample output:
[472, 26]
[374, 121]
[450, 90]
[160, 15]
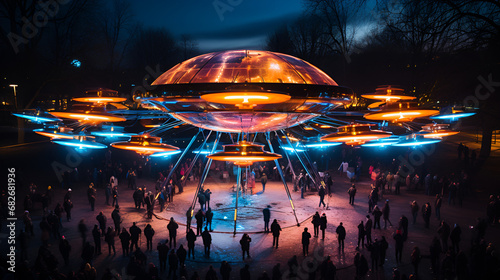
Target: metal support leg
[298, 156]
[238, 186]
[188, 172]
[268, 137]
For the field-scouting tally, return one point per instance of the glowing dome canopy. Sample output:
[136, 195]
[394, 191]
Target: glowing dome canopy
[245, 66]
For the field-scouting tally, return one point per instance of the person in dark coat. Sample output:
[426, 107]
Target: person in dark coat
[374, 249]
[91, 193]
[455, 234]
[275, 229]
[368, 230]
[125, 240]
[383, 245]
[173, 264]
[276, 275]
[322, 225]
[65, 249]
[96, 234]
[435, 252]
[263, 180]
[385, 211]
[137, 196]
[207, 198]
[53, 220]
[352, 194]
[189, 218]
[172, 232]
[202, 200]
[149, 232]
[117, 218]
[403, 226]
[68, 205]
[267, 217]
[415, 259]
[181, 255]
[341, 236]
[209, 215]
[444, 234]
[107, 192]
[306, 236]
[110, 239]
[225, 270]
[361, 234]
[322, 193]
[207, 242]
[163, 254]
[199, 221]
[414, 211]
[82, 228]
[426, 214]
[211, 274]
[245, 245]
[245, 273]
[101, 219]
[316, 222]
[135, 233]
[191, 238]
[398, 237]
[376, 217]
[87, 253]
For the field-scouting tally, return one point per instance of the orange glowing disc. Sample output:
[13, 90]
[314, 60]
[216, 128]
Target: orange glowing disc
[144, 145]
[435, 130]
[100, 99]
[244, 154]
[54, 134]
[388, 94]
[401, 115]
[87, 117]
[246, 99]
[355, 134]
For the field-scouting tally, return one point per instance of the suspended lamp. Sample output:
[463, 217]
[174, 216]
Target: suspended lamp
[57, 132]
[244, 154]
[246, 100]
[434, 130]
[144, 145]
[89, 117]
[80, 142]
[355, 134]
[388, 94]
[100, 96]
[400, 112]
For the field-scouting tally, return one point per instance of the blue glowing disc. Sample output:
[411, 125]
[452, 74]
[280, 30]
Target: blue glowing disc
[79, 144]
[37, 118]
[165, 154]
[452, 116]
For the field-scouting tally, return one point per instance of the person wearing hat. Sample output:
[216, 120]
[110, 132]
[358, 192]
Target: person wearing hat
[267, 216]
[67, 196]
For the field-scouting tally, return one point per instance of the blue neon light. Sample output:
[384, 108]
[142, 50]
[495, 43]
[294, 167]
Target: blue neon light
[452, 116]
[80, 144]
[35, 119]
[322, 145]
[165, 154]
[416, 142]
[290, 149]
[111, 134]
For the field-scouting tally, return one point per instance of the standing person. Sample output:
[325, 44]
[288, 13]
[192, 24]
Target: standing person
[435, 252]
[207, 198]
[386, 211]
[149, 232]
[96, 234]
[202, 199]
[68, 205]
[225, 270]
[207, 242]
[383, 249]
[110, 239]
[65, 249]
[455, 234]
[398, 237]
[306, 236]
[415, 259]
[131, 178]
[275, 229]
[191, 238]
[322, 225]
[172, 232]
[245, 245]
[173, 264]
[189, 218]
[426, 214]
[361, 234]
[263, 180]
[368, 230]
[163, 254]
[82, 228]
[199, 221]
[125, 240]
[374, 249]
[209, 215]
[107, 192]
[87, 253]
[376, 217]
[321, 193]
[101, 219]
[91, 193]
[267, 216]
[403, 225]
[329, 183]
[114, 193]
[437, 206]
[316, 221]
[211, 274]
[444, 233]
[135, 233]
[117, 218]
[181, 255]
[341, 236]
[414, 211]
[352, 194]
[28, 223]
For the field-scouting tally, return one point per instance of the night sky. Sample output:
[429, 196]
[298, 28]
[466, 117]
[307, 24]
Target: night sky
[242, 26]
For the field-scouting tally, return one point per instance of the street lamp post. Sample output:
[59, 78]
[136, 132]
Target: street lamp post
[15, 95]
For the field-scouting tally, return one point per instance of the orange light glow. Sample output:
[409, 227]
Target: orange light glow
[145, 145]
[89, 117]
[355, 134]
[400, 115]
[439, 133]
[54, 135]
[308, 128]
[388, 98]
[245, 100]
[100, 99]
[325, 126]
[244, 154]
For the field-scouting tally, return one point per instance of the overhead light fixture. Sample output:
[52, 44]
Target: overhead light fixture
[100, 96]
[355, 134]
[89, 117]
[244, 154]
[244, 99]
[400, 112]
[80, 142]
[145, 145]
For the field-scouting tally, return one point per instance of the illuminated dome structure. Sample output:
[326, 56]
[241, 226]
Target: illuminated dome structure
[247, 91]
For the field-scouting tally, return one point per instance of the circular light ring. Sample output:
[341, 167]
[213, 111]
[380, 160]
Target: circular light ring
[416, 142]
[244, 154]
[144, 148]
[400, 115]
[355, 134]
[246, 98]
[81, 144]
[165, 154]
[438, 133]
[104, 100]
[452, 116]
[387, 97]
[53, 134]
[36, 118]
[89, 117]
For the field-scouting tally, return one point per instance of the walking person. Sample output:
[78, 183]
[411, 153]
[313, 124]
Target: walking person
[117, 218]
[414, 211]
[191, 238]
[135, 234]
[275, 229]
[189, 218]
[225, 270]
[341, 233]
[101, 219]
[199, 221]
[377, 214]
[68, 205]
[209, 215]
[267, 217]
[322, 225]
[263, 180]
[352, 194]
[383, 249]
[149, 232]
[316, 222]
[96, 234]
[322, 193]
[415, 259]
[82, 228]
[181, 255]
[386, 211]
[125, 240]
[426, 214]
[245, 245]
[368, 230]
[437, 206]
[163, 254]
[110, 239]
[207, 242]
[306, 236]
[361, 234]
[173, 264]
[172, 232]
[455, 234]
[65, 249]
[398, 237]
